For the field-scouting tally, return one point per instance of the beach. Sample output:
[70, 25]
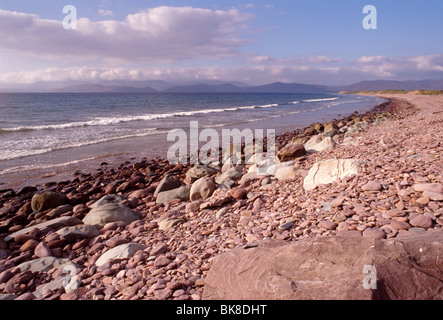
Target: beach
[132, 232]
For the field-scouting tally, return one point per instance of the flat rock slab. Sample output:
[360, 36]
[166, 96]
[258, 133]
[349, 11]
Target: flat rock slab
[123, 251]
[326, 268]
[54, 223]
[328, 171]
[45, 264]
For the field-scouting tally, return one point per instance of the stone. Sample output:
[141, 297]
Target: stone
[110, 212]
[291, 152]
[330, 126]
[48, 200]
[29, 245]
[313, 141]
[160, 248]
[400, 225]
[78, 232]
[181, 193]
[168, 223]
[234, 173]
[3, 244]
[434, 187]
[116, 241]
[54, 223]
[309, 131]
[372, 186]
[374, 233]
[421, 221]
[42, 250]
[13, 284]
[299, 140]
[435, 196]
[203, 188]
[286, 173]
[329, 225]
[45, 264]
[328, 171]
[123, 251]
[199, 171]
[60, 210]
[238, 193]
[326, 144]
[326, 268]
[167, 183]
[107, 199]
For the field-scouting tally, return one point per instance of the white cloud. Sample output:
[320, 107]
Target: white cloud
[157, 34]
[105, 13]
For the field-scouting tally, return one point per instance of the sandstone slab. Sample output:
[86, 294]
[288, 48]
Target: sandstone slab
[330, 268]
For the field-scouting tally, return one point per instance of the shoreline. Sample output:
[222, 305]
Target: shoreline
[399, 143]
[111, 158]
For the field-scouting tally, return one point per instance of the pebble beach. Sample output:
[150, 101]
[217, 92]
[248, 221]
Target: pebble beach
[149, 230]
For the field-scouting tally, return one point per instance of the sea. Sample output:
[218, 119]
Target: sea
[51, 135]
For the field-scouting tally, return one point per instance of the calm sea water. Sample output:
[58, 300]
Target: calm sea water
[50, 130]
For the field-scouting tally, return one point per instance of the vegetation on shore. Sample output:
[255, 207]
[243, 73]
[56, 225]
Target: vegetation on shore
[417, 92]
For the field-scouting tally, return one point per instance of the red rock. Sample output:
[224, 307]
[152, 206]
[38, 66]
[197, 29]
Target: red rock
[160, 248]
[291, 152]
[421, 221]
[238, 193]
[161, 261]
[435, 196]
[116, 241]
[326, 268]
[42, 250]
[372, 186]
[29, 245]
[374, 233]
[400, 225]
[163, 294]
[329, 225]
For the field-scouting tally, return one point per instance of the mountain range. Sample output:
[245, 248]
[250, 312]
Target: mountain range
[214, 86]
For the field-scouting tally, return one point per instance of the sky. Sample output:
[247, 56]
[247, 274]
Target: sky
[257, 42]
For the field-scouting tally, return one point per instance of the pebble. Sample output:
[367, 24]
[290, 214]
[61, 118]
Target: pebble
[372, 186]
[421, 221]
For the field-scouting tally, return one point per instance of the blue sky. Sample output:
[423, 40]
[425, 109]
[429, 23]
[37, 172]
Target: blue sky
[311, 41]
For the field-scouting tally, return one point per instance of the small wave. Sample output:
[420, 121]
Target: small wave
[26, 153]
[320, 100]
[105, 121]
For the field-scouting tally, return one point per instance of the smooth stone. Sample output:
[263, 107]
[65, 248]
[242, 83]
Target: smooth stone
[421, 221]
[434, 187]
[48, 200]
[434, 196]
[291, 152]
[235, 174]
[168, 223]
[181, 193]
[110, 212]
[75, 233]
[372, 186]
[203, 188]
[167, 183]
[123, 251]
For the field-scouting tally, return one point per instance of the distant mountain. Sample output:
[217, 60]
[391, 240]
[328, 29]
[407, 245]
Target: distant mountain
[91, 88]
[277, 87]
[378, 85]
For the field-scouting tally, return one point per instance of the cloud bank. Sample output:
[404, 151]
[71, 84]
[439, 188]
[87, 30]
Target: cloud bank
[156, 34]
